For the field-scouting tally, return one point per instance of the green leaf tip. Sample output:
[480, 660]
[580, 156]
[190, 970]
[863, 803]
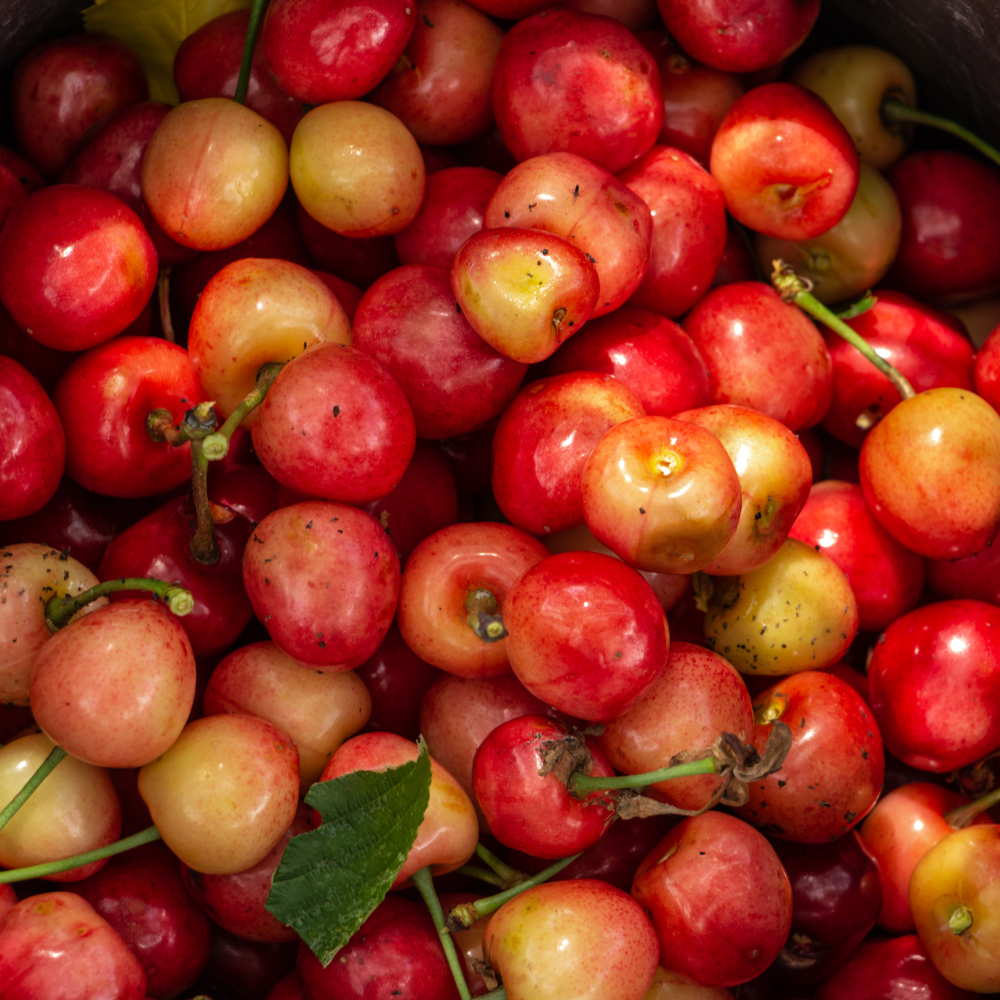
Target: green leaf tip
[331, 879]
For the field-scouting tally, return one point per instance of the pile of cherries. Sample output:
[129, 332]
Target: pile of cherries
[478, 373]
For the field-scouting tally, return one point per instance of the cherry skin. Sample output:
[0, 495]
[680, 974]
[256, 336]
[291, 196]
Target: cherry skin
[587, 634]
[324, 579]
[929, 347]
[836, 895]
[77, 266]
[117, 385]
[63, 87]
[833, 773]
[934, 678]
[395, 952]
[34, 455]
[410, 323]
[357, 259]
[713, 878]
[786, 166]
[330, 50]
[739, 37]
[142, 897]
[248, 968]
[987, 370]
[530, 813]
[689, 229]
[890, 969]
[975, 577]
[698, 697]
[18, 179]
[788, 377]
[649, 354]
[577, 83]
[543, 440]
[53, 942]
[885, 577]
[572, 938]
[947, 251]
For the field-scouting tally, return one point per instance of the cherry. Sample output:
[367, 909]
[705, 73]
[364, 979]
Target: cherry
[987, 370]
[975, 577]
[18, 179]
[357, 259]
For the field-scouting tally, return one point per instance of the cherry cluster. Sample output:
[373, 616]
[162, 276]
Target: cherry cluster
[497, 388]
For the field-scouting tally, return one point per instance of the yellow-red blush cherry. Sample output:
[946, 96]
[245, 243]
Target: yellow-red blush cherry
[225, 793]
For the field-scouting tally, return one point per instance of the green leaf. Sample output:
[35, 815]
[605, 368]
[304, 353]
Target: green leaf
[154, 30]
[332, 878]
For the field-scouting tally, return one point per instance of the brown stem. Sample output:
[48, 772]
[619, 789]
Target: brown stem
[163, 297]
[203, 546]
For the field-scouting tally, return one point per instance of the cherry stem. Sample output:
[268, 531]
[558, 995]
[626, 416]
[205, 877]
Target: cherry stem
[500, 993]
[583, 784]
[962, 816]
[425, 886]
[256, 12]
[60, 610]
[859, 308]
[198, 423]
[896, 112]
[466, 914]
[483, 874]
[795, 289]
[510, 876]
[203, 547]
[163, 298]
[79, 860]
[47, 766]
[217, 445]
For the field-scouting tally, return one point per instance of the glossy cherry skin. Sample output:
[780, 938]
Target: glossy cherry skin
[833, 773]
[34, 453]
[62, 88]
[788, 377]
[576, 83]
[159, 546]
[117, 385]
[904, 825]
[543, 440]
[247, 968]
[141, 895]
[440, 88]
[18, 179]
[885, 576]
[324, 579]
[207, 64]
[689, 229]
[45, 363]
[786, 166]
[530, 813]
[947, 251]
[929, 347]
[397, 679]
[587, 634]
[332, 50]
[650, 354]
[975, 577]
[335, 425]
[77, 266]
[410, 323]
[987, 370]
[935, 684]
[740, 36]
[907, 468]
[54, 946]
[836, 895]
[890, 969]
[688, 884]
[568, 939]
[698, 697]
[395, 952]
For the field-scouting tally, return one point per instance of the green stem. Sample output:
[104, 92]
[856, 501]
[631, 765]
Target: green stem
[59, 610]
[217, 445]
[483, 874]
[425, 886]
[203, 547]
[466, 914]
[500, 993]
[897, 112]
[504, 870]
[584, 784]
[256, 12]
[792, 288]
[962, 816]
[79, 860]
[198, 422]
[56, 754]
